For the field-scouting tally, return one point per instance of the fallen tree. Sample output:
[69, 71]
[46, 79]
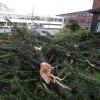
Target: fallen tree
[20, 61]
[27, 55]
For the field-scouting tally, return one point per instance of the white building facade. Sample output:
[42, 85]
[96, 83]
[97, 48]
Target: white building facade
[29, 21]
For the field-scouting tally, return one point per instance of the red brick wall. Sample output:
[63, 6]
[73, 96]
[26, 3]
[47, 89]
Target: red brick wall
[96, 4]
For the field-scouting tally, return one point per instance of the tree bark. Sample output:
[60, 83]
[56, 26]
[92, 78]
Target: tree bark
[28, 55]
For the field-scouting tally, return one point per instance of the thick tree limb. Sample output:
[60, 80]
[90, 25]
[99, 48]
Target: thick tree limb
[62, 90]
[91, 65]
[20, 52]
[28, 55]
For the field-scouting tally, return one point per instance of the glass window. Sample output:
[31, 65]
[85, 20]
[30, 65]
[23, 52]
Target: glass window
[98, 27]
[50, 19]
[60, 20]
[88, 14]
[56, 19]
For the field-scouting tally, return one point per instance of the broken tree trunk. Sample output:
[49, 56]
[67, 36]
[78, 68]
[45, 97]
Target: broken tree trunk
[29, 56]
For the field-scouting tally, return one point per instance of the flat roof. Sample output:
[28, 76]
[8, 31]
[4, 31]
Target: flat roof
[85, 11]
[97, 10]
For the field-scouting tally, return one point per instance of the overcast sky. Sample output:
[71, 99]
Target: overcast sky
[48, 7]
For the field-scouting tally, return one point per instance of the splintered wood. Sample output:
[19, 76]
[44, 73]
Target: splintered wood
[46, 74]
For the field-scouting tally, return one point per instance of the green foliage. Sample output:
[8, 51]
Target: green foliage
[19, 80]
[74, 27]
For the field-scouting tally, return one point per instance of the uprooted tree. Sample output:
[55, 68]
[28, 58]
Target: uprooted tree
[74, 57]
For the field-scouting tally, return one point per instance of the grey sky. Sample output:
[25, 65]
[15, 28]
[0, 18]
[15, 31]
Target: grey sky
[48, 7]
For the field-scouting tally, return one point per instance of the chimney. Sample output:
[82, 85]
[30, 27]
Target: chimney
[96, 4]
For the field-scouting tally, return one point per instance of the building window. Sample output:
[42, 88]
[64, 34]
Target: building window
[50, 19]
[88, 14]
[56, 19]
[67, 16]
[91, 14]
[8, 24]
[2, 23]
[60, 20]
[98, 27]
[87, 28]
[82, 21]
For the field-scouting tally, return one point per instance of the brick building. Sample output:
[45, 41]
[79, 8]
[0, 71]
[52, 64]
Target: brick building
[83, 18]
[96, 4]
